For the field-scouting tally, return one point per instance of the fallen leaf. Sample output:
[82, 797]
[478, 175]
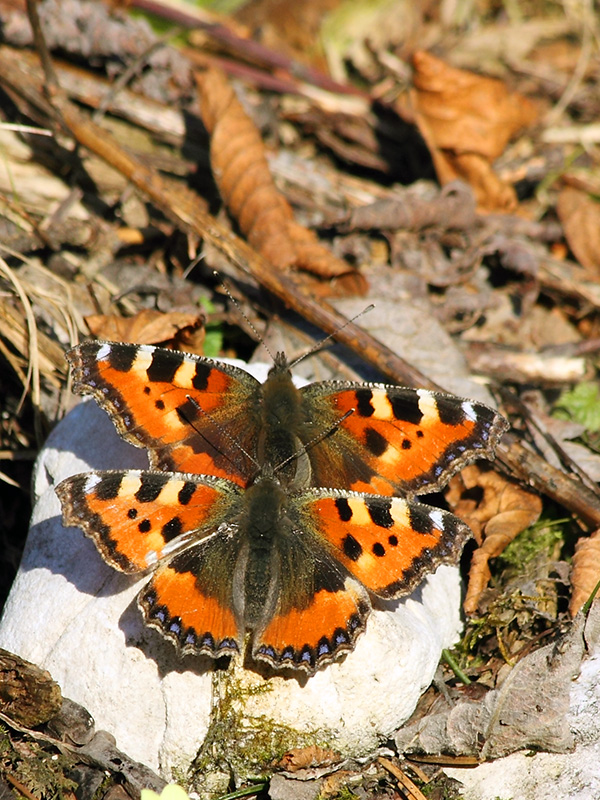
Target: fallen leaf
[466, 121]
[586, 571]
[147, 326]
[305, 757]
[242, 174]
[580, 218]
[528, 710]
[496, 510]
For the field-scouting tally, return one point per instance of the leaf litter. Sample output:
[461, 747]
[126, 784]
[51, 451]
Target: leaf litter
[110, 230]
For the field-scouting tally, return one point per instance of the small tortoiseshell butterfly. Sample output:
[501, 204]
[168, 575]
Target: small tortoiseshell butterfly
[294, 569]
[240, 544]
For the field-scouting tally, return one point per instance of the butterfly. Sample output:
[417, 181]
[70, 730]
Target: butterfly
[269, 511]
[201, 416]
[292, 570]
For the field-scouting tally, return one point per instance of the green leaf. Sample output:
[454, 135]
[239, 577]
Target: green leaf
[581, 404]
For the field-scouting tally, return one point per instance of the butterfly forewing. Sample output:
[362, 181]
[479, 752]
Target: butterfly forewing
[136, 518]
[393, 440]
[175, 404]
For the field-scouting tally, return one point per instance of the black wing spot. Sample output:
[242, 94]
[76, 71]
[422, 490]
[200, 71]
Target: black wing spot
[420, 520]
[343, 509]
[450, 411]
[109, 487]
[145, 526]
[364, 406]
[379, 511]
[186, 493]
[375, 442]
[405, 407]
[132, 513]
[351, 547]
[200, 379]
[122, 358]
[164, 366]
[187, 412]
[406, 444]
[151, 486]
[172, 528]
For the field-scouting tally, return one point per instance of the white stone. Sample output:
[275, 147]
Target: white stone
[72, 614]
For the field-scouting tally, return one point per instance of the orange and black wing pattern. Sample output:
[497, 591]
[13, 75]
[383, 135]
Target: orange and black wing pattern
[392, 440]
[192, 414]
[389, 544]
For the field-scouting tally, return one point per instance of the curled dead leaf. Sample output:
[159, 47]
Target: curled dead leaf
[149, 326]
[580, 218]
[496, 510]
[586, 571]
[466, 121]
[244, 180]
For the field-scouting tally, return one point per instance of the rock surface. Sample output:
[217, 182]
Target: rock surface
[545, 776]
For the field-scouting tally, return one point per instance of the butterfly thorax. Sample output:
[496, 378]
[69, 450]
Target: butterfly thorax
[282, 427]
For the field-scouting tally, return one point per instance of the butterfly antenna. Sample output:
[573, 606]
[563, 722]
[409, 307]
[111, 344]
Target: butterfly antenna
[313, 442]
[193, 264]
[221, 430]
[321, 344]
[259, 337]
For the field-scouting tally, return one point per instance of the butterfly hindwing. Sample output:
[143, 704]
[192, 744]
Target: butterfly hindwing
[389, 544]
[310, 609]
[190, 599]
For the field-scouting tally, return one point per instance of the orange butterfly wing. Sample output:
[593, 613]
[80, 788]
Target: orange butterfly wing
[139, 520]
[177, 405]
[393, 440]
[389, 544]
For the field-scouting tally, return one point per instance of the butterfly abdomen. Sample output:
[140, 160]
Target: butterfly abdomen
[260, 562]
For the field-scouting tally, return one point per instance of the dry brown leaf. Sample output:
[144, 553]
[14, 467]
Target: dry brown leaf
[147, 326]
[466, 121]
[244, 180]
[586, 571]
[580, 218]
[496, 510]
[306, 757]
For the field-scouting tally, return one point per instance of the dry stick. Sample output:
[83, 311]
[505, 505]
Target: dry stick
[185, 209]
[247, 48]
